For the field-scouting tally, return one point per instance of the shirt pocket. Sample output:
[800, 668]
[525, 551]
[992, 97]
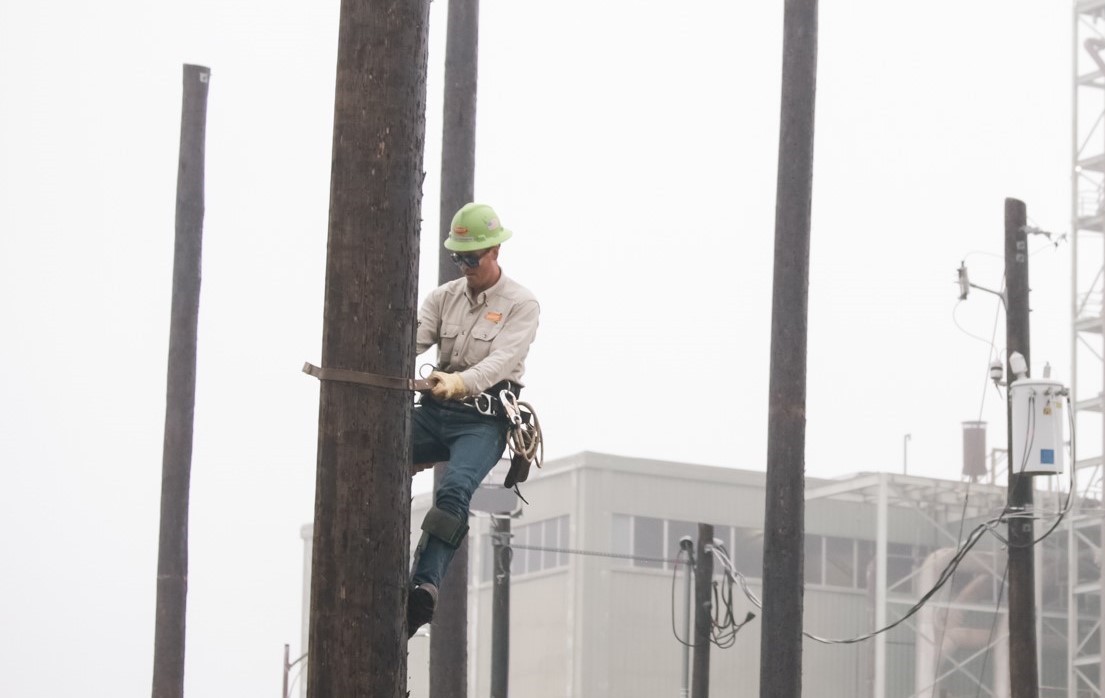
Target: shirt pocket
[486, 330]
[484, 333]
[490, 324]
[447, 344]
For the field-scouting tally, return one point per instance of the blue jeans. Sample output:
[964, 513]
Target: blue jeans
[472, 444]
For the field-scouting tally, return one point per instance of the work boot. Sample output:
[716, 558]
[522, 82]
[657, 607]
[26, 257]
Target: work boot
[420, 607]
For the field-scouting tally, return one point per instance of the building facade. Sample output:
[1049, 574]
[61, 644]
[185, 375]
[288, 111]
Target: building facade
[597, 584]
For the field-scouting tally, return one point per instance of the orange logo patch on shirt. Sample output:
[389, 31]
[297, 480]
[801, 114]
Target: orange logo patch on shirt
[494, 317]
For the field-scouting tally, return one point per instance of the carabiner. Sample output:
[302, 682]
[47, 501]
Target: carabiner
[510, 406]
[483, 405]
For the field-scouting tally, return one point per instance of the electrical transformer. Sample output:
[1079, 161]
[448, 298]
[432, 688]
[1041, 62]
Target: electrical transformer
[1037, 426]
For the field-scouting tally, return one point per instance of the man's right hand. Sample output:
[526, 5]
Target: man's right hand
[447, 386]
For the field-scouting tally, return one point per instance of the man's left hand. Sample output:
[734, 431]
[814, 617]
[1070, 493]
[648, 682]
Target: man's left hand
[447, 386]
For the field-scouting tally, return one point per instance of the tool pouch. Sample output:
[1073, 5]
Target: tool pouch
[519, 470]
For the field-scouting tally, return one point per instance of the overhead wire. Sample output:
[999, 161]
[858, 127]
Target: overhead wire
[674, 576]
[724, 627]
[963, 547]
[963, 515]
[964, 330]
[958, 540]
[1007, 514]
[596, 553]
[993, 627]
[976, 534]
[295, 679]
[991, 343]
[733, 576]
[945, 575]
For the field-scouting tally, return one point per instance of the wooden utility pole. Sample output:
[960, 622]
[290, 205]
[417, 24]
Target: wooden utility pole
[458, 137]
[180, 401]
[500, 606]
[359, 570]
[784, 514]
[449, 636]
[703, 610]
[1023, 674]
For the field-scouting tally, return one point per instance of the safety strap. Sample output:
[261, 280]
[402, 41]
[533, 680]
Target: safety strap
[343, 375]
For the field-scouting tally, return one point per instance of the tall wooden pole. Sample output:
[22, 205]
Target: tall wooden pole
[1023, 673]
[703, 610]
[686, 544]
[449, 637]
[458, 137]
[180, 402]
[784, 524]
[500, 606]
[359, 570]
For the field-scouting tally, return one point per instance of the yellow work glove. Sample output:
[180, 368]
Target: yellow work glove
[447, 386]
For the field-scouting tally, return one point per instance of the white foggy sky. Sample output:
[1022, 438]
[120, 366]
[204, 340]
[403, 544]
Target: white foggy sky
[631, 146]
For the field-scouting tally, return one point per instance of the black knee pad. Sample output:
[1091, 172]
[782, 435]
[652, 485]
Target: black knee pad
[445, 526]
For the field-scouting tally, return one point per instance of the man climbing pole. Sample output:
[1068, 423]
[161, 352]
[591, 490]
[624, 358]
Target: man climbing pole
[483, 325]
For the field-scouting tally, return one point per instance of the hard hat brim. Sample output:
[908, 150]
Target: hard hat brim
[456, 244]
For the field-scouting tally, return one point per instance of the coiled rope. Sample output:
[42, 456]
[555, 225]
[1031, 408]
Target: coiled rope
[524, 437]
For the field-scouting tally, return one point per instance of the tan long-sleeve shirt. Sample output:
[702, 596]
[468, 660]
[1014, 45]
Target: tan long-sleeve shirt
[485, 337]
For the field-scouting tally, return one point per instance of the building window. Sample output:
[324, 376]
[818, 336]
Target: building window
[843, 562]
[654, 543]
[840, 562]
[900, 563]
[865, 564]
[535, 547]
[648, 541]
[748, 551]
[832, 561]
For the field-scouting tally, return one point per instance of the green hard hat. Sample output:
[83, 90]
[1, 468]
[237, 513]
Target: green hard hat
[475, 227]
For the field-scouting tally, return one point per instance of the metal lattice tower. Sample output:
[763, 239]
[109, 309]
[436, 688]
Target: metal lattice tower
[1084, 628]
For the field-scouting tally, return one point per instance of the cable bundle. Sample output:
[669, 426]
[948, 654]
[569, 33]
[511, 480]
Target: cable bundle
[723, 624]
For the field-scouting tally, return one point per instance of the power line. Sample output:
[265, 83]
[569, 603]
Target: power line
[734, 576]
[620, 556]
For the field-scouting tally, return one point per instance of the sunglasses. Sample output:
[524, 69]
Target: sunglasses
[468, 259]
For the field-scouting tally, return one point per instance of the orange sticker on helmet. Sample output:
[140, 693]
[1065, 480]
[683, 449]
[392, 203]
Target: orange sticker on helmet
[460, 230]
